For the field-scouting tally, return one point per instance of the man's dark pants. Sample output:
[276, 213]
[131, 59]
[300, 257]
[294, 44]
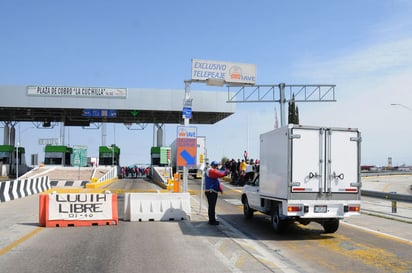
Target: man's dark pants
[211, 199]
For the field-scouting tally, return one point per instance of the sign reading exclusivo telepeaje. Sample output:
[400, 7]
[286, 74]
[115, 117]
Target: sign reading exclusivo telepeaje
[228, 72]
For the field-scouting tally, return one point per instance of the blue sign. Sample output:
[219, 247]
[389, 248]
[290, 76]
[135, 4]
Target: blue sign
[187, 112]
[99, 113]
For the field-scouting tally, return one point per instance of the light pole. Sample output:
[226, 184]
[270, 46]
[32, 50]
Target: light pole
[17, 161]
[187, 103]
[401, 105]
[112, 148]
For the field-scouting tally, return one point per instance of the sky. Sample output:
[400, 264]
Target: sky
[364, 47]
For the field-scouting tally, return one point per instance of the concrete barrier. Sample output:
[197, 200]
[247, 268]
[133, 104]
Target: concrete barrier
[161, 176]
[15, 189]
[109, 177]
[157, 206]
[78, 209]
[69, 183]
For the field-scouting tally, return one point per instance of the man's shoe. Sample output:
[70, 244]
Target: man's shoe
[214, 223]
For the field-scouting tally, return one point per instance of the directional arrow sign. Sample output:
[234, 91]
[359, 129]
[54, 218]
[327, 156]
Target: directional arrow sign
[190, 160]
[186, 151]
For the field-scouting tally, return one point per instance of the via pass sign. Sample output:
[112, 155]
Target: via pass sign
[186, 132]
[186, 144]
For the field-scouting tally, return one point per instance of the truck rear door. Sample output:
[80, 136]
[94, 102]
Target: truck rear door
[307, 160]
[342, 151]
[324, 160]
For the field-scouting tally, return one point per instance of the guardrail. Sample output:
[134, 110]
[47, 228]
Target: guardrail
[109, 177]
[393, 196]
[385, 173]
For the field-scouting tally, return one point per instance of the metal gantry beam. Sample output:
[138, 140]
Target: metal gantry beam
[281, 93]
[272, 93]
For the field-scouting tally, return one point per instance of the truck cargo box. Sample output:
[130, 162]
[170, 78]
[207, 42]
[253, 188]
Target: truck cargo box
[308, 162]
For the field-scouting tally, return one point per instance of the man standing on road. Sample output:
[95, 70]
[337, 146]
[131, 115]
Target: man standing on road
[212, 188]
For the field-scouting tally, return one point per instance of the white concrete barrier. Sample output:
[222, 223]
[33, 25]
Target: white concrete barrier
[157, 206]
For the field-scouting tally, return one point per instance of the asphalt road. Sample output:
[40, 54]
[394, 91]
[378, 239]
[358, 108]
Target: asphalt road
[366, 243]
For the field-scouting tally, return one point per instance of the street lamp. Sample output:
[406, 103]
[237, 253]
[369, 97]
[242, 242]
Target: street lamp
[401, 105]
[187, 103]
[17, 161]
[112, 148]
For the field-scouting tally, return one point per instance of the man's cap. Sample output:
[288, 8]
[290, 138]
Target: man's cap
[214, 163]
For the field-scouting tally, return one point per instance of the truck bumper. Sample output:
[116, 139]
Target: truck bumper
[316, 209]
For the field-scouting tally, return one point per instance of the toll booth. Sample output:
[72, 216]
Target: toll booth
[160, 156]
[109, 155]
[57, 155]
[8, 155]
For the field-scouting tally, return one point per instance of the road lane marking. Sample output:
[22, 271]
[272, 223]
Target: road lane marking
[257, 250]
[378, 232]
[19, 241]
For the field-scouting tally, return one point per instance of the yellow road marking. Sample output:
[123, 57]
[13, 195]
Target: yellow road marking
[19, 241]
[366, 254]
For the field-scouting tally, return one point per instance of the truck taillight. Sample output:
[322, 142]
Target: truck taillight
[352, 208]
[294, 208]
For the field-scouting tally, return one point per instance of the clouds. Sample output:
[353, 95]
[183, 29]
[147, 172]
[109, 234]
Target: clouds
[373, 60]
[368, 80]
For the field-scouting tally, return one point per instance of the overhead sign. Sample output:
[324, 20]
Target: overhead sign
[203, 70]
[186, 146]
[48, 141]
[99, 113]
[67, 91]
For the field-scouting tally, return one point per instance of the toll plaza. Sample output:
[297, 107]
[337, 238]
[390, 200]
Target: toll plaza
[47, 106]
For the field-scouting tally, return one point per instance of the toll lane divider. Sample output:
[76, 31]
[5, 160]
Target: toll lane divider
[69, 183]
[109, 177]
[78, 209]
[157, 206]
[15, 189]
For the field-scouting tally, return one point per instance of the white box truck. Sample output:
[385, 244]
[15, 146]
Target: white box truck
[306, 174]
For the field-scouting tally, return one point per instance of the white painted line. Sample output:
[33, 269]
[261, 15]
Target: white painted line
[377, 232]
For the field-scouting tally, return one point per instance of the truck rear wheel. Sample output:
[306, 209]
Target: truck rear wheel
[247, 211]
[331, 226]
[278, 224]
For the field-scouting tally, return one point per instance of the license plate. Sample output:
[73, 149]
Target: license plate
[321, 209]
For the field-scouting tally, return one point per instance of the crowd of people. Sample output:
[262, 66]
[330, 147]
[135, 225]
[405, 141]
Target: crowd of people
[241, 170]
[134, 171]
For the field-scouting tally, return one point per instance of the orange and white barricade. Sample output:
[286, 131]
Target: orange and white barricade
[78, 209]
